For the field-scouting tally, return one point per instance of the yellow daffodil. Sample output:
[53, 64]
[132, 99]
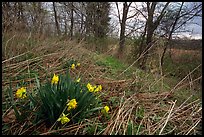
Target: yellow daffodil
[78, 80]
[99, 88]
[78, 64]
[64, 119]
[55, 79]
[72, 104]
[21, 93]
[73, 66]
[105, 110]
[93, 88]
[90, 88]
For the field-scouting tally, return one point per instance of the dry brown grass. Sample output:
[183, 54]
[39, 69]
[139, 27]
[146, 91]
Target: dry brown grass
[177, 55]
[162, 115]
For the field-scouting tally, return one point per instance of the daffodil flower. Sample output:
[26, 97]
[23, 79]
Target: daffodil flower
[105, 110]
[72, 104]
[64, 119]
[78, 64]
[55, 79]
[90, 87]
[21, 93]
[93, 88]
[73, 66]
[99, 88]
[78, 80]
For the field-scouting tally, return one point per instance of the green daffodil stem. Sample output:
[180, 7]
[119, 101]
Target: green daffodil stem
[17, 114]
[56, 120]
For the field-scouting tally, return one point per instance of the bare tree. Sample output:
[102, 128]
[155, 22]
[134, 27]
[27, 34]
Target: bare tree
[175, 20]
[122, 27]
[56, 20]
[170, 33]
[151, 25]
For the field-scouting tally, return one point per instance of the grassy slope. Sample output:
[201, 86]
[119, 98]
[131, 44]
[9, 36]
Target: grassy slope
[137, 99]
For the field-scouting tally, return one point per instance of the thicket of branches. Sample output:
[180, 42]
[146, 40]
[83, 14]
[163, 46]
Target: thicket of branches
[82, 20]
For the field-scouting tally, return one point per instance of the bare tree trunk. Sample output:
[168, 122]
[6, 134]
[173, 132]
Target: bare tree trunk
[122, 30]
[142, 41]
[150, 31]
[81, 27]
[56, 21]
[88, 21]
[40, 19]
[65, 25]
[72, 21]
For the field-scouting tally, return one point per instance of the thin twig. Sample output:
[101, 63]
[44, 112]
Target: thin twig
[167, 118]
[15, 57]
[193, 126]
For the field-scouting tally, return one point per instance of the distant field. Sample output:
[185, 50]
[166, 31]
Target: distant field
[180, 53]
[187, 44]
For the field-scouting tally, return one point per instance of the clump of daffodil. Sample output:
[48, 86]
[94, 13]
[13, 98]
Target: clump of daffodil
[72, 104]
[78, 80]
[94, 88]
[55, 79]
[73, 66]
[105, 110]
[64, 119]
[21, 93]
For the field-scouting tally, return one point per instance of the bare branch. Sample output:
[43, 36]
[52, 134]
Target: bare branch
[118, 13]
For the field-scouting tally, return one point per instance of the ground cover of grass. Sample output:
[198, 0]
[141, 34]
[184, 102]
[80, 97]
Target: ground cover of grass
[140, 102]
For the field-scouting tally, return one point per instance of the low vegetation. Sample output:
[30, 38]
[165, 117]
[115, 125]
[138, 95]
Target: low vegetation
[101, 68]
[98, 95]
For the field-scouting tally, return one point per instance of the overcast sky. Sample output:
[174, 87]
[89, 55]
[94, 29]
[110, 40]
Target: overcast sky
[196, 28]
